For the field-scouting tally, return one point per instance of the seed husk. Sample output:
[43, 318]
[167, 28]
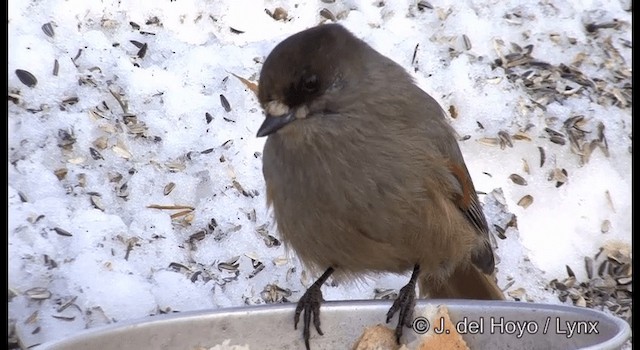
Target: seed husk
[606, 225]
[97, 202]
[525, 201]
[225, 103]
[26, 78]
[47, 28]
[143, 51]
[62, 232]
[38, 293]
[56, 67]
[424, 5]
[518, 180]
[168, 188]
[327, 14]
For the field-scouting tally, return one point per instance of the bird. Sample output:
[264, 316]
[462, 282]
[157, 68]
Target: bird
[364, 175]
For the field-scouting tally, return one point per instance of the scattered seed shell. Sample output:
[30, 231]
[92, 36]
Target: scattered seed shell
[56, 67]
[96, 201]
[525, 201]
[168, 188]
[143, 51]
[279, 14]
[423, 5]
[518, 180]
[225, 103]
[26, 78]
[467, 42]
[453, 111]
[38, 293]
[525, 166]
[62, 232]
[489, 141]
[327, 14]
[606, 226]
[47, 28]
[542, 156]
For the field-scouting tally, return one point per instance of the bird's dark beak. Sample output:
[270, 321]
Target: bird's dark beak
[272, 123]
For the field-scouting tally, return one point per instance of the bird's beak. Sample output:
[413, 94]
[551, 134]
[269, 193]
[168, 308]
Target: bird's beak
[272, 123]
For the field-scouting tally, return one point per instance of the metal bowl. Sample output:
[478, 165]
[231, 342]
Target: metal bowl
[487, 324]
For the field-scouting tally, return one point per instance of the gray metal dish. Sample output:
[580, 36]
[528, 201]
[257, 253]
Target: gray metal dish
[271, 327]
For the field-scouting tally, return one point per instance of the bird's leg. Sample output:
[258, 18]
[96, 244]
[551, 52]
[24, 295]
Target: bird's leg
[405, 302]
[310, 304]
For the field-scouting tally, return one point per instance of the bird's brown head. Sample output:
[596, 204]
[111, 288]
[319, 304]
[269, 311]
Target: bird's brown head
[304, 73]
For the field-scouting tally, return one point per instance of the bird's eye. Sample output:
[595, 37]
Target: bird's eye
[311, 84]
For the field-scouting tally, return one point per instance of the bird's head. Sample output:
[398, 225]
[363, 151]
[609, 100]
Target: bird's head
[305, 75]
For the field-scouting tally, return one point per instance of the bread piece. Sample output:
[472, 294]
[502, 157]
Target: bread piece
[377, 337]
[447, 340]
[380, 337]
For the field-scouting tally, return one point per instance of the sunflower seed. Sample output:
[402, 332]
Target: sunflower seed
[570, 272]
[327, 14]
[66, 304]
[33, 219]
[280, 260]
[525, 201]
[453, 111]
[518, 180]
[121, 150]
[505, 139]
[257, 268]
[137, 44]
[520, 136]
[423, 4]
[64, 318]
[500, 231]
[508, 285]
[489, 141]
[97, 202]
[605, 226]
[559, 140]
[208, 117]
[47, 28]
[62, 232]
[517, 294]
[134, 25]
[542, 156]
[26, 78]
[198, 236]
[415, 53]
[279, 14]
[273, 293]
[467, 42]
[588, 264]
[38, 293]
[230, 265]
[609, 200]
[56, 67]
[168, 188]
[143, 51]
[385, 294]
[225, 103]
[177, 267]
[525, 166]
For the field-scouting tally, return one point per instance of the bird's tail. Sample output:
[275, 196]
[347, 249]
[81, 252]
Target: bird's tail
[466, 282]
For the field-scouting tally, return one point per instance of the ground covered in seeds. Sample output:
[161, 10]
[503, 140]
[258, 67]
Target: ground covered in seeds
[135, 186]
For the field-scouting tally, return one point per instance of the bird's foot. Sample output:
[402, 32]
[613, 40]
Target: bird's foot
[309, 305]
[404, 303]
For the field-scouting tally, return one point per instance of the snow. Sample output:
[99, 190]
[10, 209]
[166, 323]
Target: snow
[189, 63]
